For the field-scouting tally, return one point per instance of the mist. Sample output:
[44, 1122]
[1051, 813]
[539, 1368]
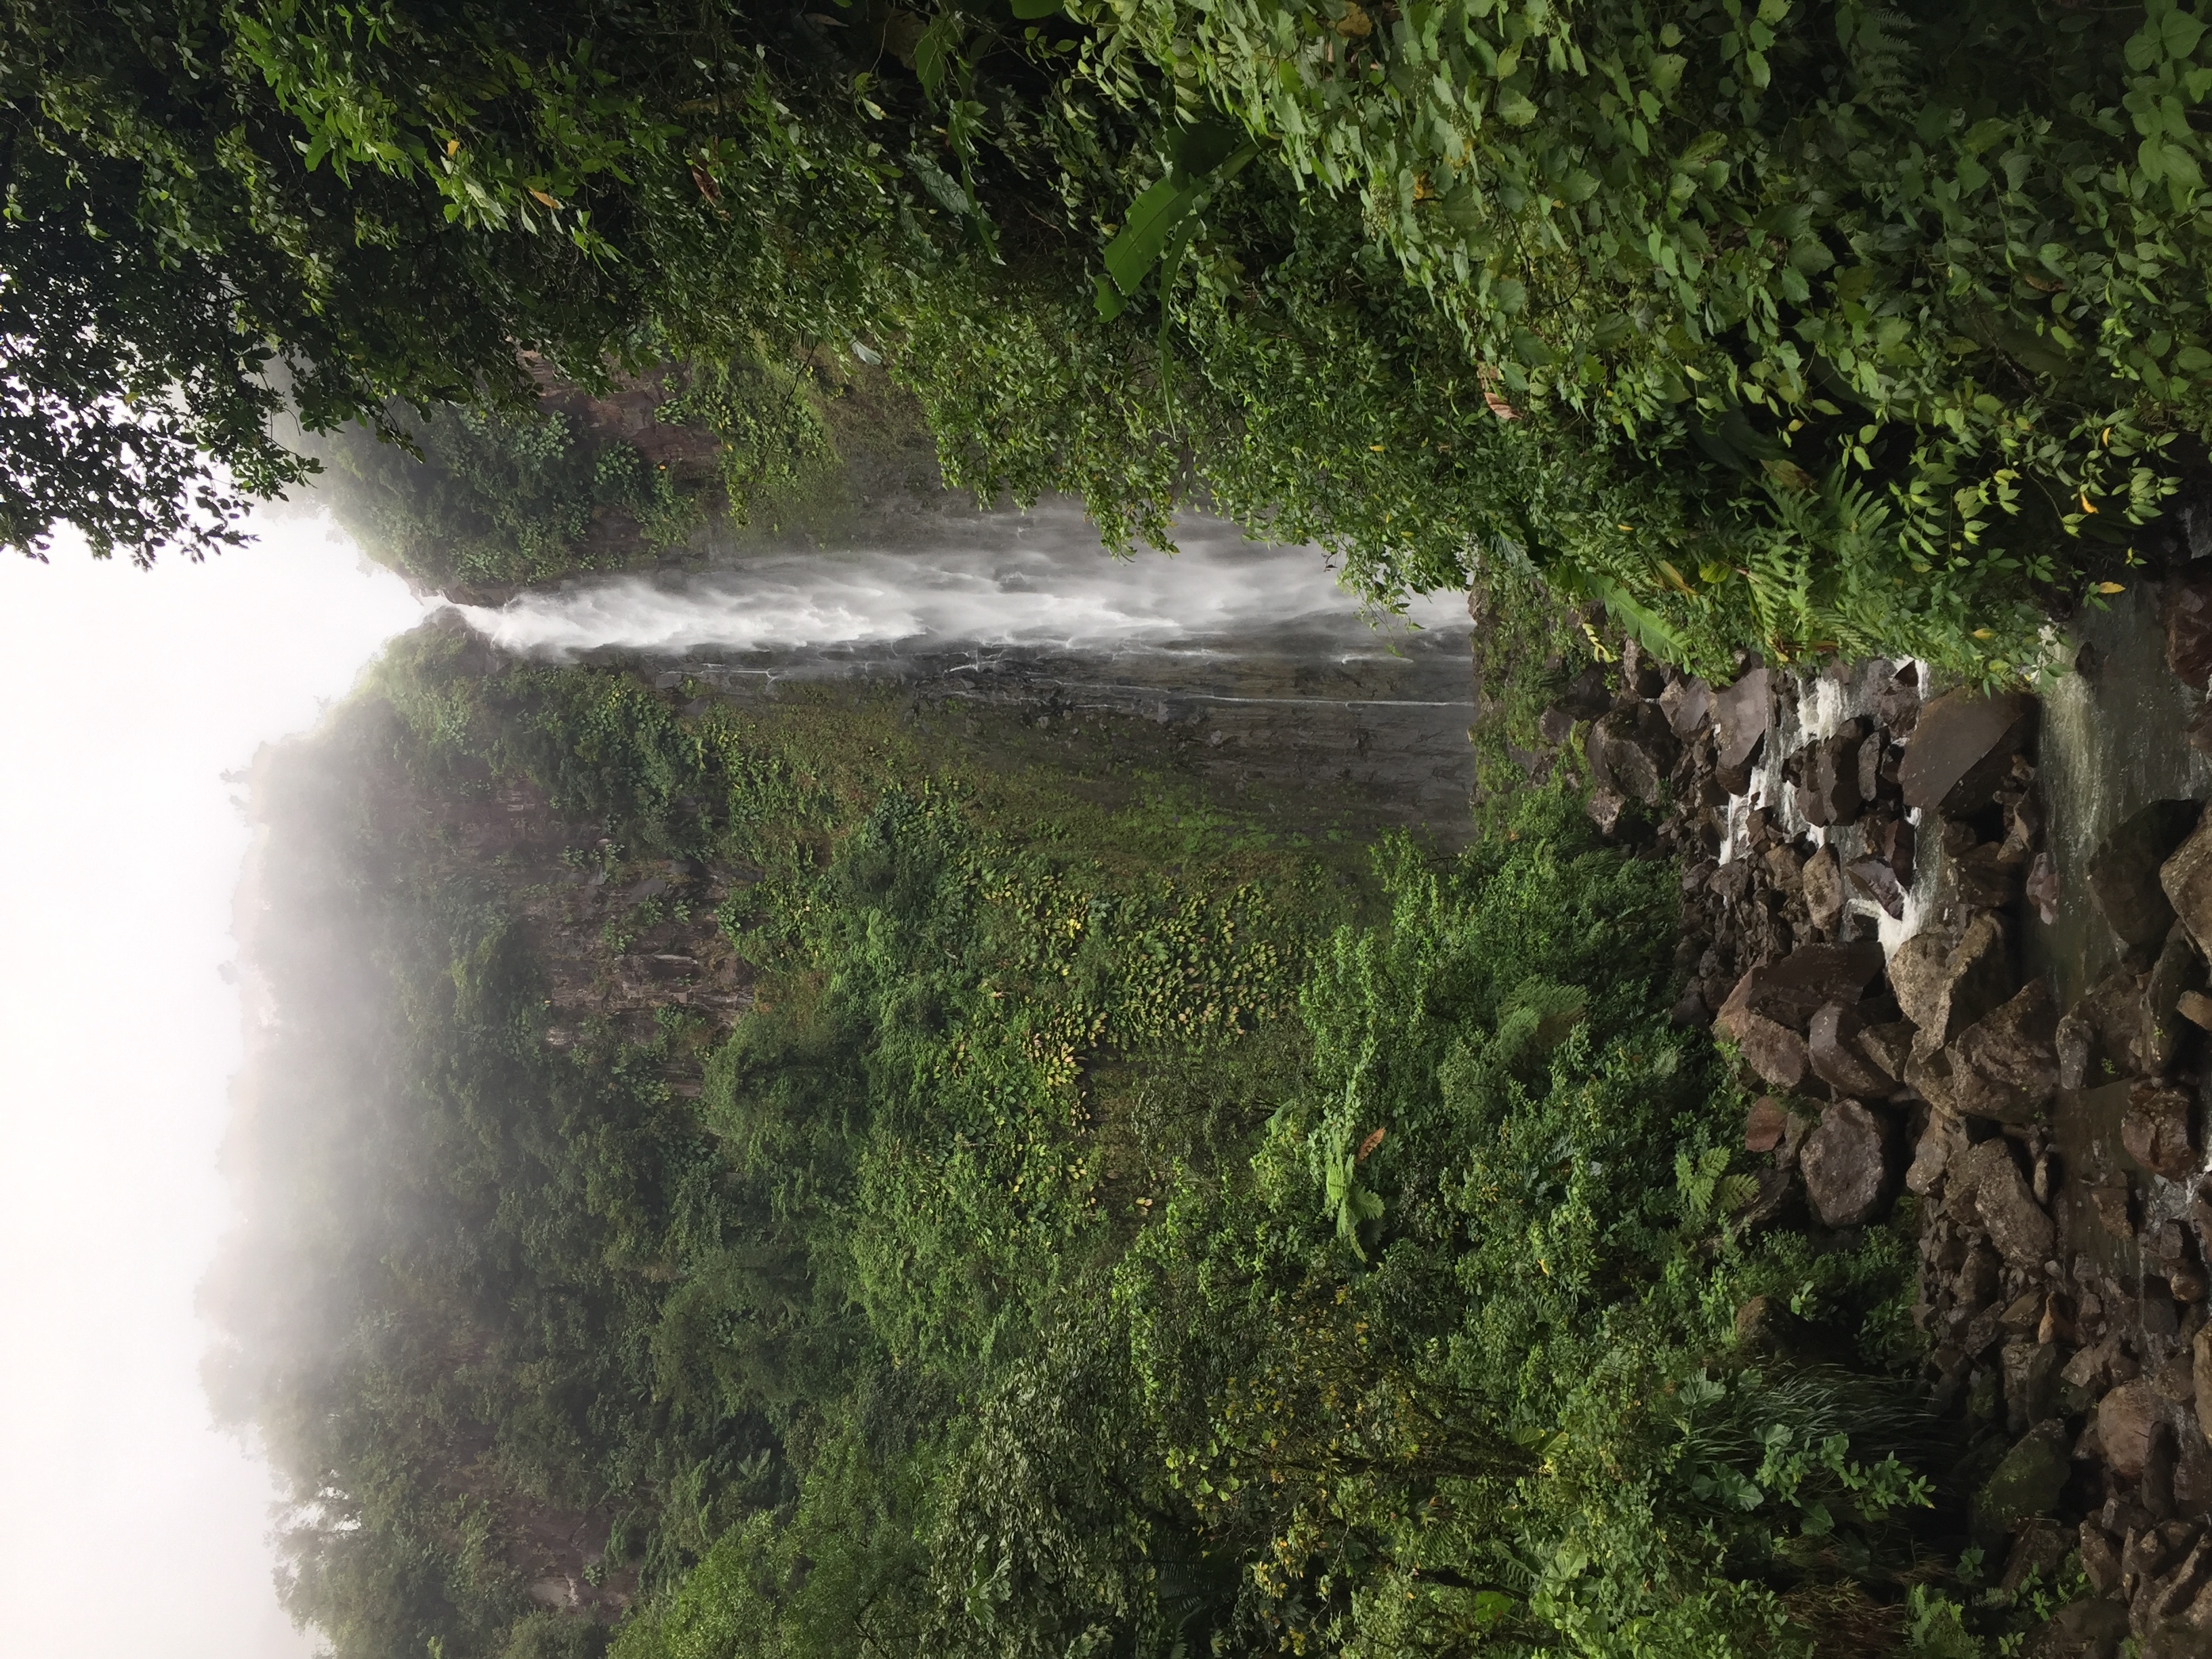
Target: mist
[130, 694]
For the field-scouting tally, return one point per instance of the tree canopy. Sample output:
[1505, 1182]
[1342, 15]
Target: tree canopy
[1808, 328]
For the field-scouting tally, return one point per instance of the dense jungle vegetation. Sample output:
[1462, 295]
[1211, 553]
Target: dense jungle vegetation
[1804, 325]
[1110, 1221]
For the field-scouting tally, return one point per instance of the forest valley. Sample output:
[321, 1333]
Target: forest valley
[872, 1174]
[848, 1174]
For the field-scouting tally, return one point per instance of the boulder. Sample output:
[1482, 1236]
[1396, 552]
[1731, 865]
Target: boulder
[1942, 987]
[1872, 751]
[1687, 704]
[1984, 878]
[1588, 694]
[2178, 972]
[1793, 988]
[1833, 1050]
[1774, 1051]
[1829, 793]
[1822, 879]
[2082, 1630]
[1846, 1164]
[2189, 631]
[2096, 1041]
[2005, 1066]
[2155, 1130]
[1879, 881]
[2028, 1481]
[1765, 1124]
[1987, 1178]
[1741, 715]
[2127, 1419]
[2030, 1370]
[1942, 1141]
[2186, 876]
[1889, 1046]
[1961, 747]
[2123, 874]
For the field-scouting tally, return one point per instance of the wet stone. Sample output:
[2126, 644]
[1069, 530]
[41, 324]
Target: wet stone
[1874, 878]
[1943, 988]
[2123, 874]
[2189, 632]
[2186, 878]
[2178, 972]
[1823, 885]
[2155, 1129]
[1741, 715]
[2005, 1066]
[1962, 747]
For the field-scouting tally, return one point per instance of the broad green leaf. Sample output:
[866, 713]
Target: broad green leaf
[2180, 32]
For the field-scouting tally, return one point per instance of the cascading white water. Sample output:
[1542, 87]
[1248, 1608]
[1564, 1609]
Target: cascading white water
[1039, 581]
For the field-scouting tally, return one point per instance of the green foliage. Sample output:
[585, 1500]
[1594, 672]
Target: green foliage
[1071, 1249]
[493, 498]
[1811, 327]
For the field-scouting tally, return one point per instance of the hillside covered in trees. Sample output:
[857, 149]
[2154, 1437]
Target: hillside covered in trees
[831, 1177]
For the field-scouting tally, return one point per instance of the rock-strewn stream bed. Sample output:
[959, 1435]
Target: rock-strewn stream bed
[1949, 1006]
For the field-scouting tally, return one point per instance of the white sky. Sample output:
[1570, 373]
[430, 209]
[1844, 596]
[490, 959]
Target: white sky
[129, 1528]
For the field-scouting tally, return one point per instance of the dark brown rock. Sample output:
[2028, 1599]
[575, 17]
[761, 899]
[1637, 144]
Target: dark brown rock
[1879, 881]
[2082, 1630]
[1741, 715]
[1889, 1046]
[2186, 878]
[1688, 704]
[1942, 1142]
[2126, 1419]
[1961, 748]
[1774, 1051]
[1846, 1164]
[1943, 988]
[2178, 972]
[1829, 793]
[1832, 1049]
[1987, 1180]
[2098, 1040]
[2030, 1370]
[2155, 1130]
[2189, 631]
[1588, 694]
[2100, 1558]
[2123, 874]
[2004, 1066]
[1791, 989]
[1822, 883]
[1765, 1124]
[1984, 879]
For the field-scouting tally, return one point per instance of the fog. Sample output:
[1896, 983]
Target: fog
[131, 1527]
